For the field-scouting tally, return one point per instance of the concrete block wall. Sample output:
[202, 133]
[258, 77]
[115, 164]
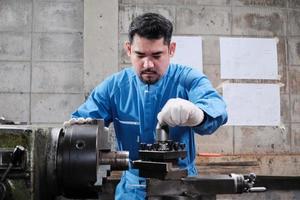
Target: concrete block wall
[41, 59]
[237, 18]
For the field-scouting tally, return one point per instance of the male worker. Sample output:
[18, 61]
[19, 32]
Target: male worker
[154, 91]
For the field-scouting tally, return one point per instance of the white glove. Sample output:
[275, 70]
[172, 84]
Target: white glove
[79, 120]
[180, 112]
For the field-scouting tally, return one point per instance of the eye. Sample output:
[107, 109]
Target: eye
[156, 57]
[140, 55]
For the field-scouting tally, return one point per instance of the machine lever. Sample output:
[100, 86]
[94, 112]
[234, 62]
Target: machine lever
[16, 159]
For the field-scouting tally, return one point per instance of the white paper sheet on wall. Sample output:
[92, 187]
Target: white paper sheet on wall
[252, 104]
[248, 58]
[188, 51]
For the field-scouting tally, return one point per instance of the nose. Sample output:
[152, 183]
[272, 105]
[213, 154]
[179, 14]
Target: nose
[148, 63]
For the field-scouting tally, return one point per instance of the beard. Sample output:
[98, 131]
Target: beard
[149, 76]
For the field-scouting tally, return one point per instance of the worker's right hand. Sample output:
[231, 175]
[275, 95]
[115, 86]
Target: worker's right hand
[79, 120]
[180, 112]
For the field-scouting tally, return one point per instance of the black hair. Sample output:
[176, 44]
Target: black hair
[151, 26]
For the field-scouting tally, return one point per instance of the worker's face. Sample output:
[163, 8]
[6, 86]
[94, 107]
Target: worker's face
[150, 58]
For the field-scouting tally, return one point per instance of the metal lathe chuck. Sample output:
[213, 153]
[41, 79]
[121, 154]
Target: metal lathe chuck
[79, 160]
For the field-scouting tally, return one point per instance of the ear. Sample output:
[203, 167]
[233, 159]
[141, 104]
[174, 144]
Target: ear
[127, 47]
[172, 49]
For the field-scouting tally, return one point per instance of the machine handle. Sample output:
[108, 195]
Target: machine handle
[257, 189]
[15, 159]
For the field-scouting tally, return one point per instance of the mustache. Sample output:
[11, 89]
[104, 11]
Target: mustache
[148, 70]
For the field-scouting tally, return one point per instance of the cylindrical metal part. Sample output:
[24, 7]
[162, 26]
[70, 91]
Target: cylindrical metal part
[239, 181]
[118, 160]
[52, 188]
[257, 189]
[162, 133]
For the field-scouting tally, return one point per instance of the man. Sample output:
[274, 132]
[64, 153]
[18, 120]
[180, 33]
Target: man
[154, 91]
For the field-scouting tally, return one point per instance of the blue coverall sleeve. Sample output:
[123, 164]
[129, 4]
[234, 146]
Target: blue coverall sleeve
[202, 94]
[97, 105]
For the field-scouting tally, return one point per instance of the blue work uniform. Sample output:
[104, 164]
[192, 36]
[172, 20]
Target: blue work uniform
[133, 105]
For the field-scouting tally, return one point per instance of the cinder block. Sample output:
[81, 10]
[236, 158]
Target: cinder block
[54, 108]
[14, 107]
[285, 108]
[294, 77]
[219, 142]
[58, 16]
[57, 47]
[262, 3]
[15, 46]
[48, 77]
[213, 74]
[294, 50]
[15, 15]
[262, 139]
[295, 107]
[203, 20]
[211, 50]
[294, 4]
[15, 76]
[294, 23]
[258, 21]
[128, 12]
[295, 129]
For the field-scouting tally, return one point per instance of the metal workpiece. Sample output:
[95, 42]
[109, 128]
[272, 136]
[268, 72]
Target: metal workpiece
[118, 160]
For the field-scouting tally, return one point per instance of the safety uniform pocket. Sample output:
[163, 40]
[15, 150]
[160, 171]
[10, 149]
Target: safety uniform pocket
[128, 135]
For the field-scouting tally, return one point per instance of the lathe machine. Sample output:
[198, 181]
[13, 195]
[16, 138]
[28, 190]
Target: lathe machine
[77, 162]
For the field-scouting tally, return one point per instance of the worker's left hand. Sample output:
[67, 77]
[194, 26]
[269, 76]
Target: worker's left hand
[79, 120]
[180, 112]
